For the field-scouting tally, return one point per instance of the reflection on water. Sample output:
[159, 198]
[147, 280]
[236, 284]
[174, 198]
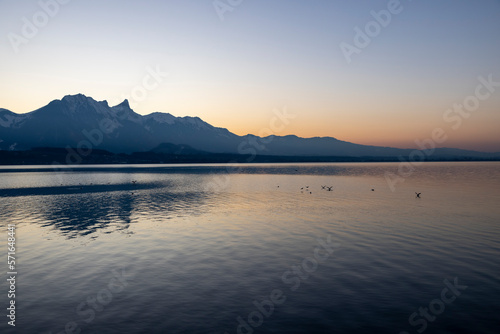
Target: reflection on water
[198, 258]
[82, 209]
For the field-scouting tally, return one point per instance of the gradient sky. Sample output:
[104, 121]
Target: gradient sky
[267, 55]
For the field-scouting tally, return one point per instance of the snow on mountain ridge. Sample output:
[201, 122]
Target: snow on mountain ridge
[161, 117]
[78, 103]
[196, 121]
[9, 119]
[75, 104]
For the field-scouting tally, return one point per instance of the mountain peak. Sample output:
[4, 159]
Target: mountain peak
[125, 104]
[124, 112]
[75, 98]
[81, 99]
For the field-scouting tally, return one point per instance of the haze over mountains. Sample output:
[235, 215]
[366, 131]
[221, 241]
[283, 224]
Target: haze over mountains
[80, 121]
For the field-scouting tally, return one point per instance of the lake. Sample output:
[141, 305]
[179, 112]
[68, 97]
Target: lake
[256, 248]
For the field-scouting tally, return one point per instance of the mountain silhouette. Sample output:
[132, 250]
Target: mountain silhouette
[79, 121]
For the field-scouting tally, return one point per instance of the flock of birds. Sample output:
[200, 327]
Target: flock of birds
[306, 189]
[330, 188]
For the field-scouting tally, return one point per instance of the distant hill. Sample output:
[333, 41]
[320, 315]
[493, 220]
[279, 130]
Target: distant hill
[173, 149]
[172, 155]
[79, 121]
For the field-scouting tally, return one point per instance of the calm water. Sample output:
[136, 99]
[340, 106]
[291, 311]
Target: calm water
[207, 249]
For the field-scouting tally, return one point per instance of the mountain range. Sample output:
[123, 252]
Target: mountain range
[78, 121]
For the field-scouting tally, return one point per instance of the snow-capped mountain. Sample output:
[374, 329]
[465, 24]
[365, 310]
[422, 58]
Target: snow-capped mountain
[78, 121]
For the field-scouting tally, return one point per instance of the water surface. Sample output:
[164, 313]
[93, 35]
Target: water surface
[199, 247]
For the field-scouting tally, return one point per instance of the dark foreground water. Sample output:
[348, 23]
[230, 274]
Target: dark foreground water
[207, 249]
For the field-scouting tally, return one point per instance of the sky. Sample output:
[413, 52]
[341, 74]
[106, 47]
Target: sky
[372, 72]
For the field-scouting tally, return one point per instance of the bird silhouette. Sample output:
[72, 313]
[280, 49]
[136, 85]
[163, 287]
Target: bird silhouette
[323, 187]
[329, 188]
[418, 195]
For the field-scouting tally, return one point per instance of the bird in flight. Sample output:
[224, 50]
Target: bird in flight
[418, 195]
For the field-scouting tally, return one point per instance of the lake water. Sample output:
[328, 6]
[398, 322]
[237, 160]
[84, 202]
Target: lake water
[212, 249]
